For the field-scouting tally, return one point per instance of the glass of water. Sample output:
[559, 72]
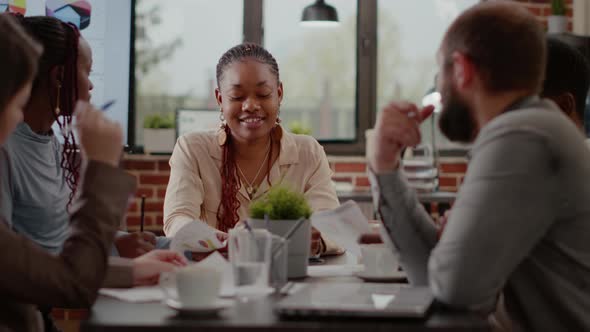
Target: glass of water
[249, 254]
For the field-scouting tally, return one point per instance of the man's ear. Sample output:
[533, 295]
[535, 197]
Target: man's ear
[463, 70]
[565, 101]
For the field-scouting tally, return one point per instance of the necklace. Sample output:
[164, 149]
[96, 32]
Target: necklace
[250, 188]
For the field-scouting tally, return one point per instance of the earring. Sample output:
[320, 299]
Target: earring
[221, 132]
[57, 110]
[278, 120]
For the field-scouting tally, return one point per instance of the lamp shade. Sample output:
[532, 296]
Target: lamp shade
[319, 14]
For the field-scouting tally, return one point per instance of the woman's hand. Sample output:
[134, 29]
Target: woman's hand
[147, 268]
[316, 242]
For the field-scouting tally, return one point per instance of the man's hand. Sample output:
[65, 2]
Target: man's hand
[100, 138]
[147, 268]
[398, 126]
[135, 244]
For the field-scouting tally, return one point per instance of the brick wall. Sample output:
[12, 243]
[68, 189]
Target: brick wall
[152, 173]
[542, 9]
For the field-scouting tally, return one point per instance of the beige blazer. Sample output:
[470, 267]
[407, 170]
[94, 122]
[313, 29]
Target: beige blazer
[194, 190]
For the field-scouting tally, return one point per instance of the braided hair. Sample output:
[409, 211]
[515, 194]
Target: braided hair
[227, 212]
[60, 44]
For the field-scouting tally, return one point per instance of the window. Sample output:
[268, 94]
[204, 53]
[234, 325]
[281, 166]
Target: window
[317, 67]
[336, 78]
[178, 44]
[409, 34]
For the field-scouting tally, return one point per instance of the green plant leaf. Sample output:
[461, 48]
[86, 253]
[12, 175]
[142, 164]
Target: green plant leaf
[281, 203]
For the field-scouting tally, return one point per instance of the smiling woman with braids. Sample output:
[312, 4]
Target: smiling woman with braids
[44, 174]
[215, 176]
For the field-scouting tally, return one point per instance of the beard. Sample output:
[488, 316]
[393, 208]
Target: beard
[456, 121]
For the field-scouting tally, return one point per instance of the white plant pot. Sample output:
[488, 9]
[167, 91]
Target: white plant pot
[298, 247]
[159, 140]
[556, 24]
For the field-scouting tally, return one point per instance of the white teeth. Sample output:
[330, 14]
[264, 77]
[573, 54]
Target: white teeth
[251, 120]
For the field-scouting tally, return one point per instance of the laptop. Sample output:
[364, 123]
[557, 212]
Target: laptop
[370, 300]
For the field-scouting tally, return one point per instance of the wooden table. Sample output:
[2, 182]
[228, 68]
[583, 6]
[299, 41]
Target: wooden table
[112, 315]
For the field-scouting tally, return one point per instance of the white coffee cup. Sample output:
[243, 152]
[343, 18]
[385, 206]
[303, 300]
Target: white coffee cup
[379, 260]
[195, 286]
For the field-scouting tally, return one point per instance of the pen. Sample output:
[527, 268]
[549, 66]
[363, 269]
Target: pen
[142, 213]
[106, 105]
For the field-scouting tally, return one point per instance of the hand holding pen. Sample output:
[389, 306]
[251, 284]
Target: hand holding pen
[100, 138]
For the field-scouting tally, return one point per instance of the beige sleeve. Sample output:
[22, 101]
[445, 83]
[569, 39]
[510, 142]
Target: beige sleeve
[184, 194]
[321, 195]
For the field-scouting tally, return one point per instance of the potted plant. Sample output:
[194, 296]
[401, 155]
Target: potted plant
[299, 128]
[279, 211]
[557, 21]
[159, 134]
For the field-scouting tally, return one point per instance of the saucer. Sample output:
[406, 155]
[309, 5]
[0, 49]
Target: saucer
[205, 310]
[393, 277]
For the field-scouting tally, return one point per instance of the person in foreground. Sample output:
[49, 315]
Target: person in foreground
[215, 176]
[41, 173]
[31, 276]
[516, 242]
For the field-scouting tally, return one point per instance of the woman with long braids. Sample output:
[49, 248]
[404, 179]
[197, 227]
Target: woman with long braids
[44, 174]
[215, 176]
[31, 276]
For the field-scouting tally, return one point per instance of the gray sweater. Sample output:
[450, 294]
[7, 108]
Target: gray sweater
[520, 225]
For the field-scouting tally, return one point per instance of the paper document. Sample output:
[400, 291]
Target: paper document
[135, 294]
[196, 236]
[343, 225]
[334, 270]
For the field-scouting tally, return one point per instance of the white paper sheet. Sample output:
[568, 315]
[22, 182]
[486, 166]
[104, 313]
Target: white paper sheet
[343, 225]
[196, 236]
[333, 270]
[136, 294]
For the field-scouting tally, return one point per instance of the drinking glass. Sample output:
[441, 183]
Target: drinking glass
[250, 257]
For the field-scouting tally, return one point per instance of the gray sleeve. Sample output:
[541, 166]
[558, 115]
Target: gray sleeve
[5, 189]
[409, 225]
[504, 208]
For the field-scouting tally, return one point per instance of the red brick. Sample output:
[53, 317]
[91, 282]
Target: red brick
[58, 313]
[362, 181]
[147, 192]
[537, 11]
[135, 221]
[77, 314]
[153, 179]
[161, 193]
[342, 179]
[142, 165]
[453, 168]
[133, 207]
[163, 166]
[447, 181]
[159, 220]
[350, 167]
[449, 189]
[154, 206]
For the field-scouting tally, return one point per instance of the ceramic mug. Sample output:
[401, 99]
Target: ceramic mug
[192, 286]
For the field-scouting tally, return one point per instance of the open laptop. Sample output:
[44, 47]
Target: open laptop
[369, 300]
